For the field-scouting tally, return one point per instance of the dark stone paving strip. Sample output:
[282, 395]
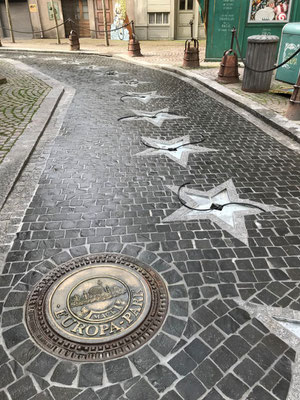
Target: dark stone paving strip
[94, 196]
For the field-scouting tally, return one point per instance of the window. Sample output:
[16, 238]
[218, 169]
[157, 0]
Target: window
[186, 5]
[190, 4]
[158, 18]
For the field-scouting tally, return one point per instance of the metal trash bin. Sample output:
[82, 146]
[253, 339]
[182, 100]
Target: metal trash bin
[261, 55]
[290, 42]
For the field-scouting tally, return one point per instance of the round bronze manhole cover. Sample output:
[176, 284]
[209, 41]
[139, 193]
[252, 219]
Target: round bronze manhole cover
[97, 307]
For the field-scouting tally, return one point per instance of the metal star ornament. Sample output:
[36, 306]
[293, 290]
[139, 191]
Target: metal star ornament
[231, 218]
[129, 82]
[142, 97]
[156, 118]
[180, 156]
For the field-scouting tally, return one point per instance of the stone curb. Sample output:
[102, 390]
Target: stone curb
[270, 117]
[16, 159]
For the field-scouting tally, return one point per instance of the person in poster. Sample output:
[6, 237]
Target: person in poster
[269, 10]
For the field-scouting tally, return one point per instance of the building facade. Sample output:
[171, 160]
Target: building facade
[154, 19]
[165, 19]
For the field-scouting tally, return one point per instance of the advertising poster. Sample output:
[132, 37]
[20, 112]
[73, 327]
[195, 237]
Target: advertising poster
[269, 10]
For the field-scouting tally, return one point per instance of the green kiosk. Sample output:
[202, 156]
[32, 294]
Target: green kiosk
[290, 42]
[250, 17]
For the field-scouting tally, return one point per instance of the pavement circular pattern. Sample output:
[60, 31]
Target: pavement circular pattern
[97, 307]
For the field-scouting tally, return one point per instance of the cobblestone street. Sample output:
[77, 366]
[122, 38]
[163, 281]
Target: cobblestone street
[141, 157]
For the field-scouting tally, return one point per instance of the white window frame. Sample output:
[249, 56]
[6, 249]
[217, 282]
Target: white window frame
[162, 23]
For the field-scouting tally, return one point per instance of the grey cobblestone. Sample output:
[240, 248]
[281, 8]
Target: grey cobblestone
[20, 97]
[94, 196]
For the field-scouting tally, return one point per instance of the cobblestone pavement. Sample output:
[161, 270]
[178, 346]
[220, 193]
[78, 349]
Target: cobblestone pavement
[94, 196]
[20, 98]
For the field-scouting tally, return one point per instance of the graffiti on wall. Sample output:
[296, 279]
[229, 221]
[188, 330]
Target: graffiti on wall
[119, 18]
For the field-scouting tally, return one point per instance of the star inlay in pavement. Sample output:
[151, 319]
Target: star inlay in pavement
[142, 97]
[180, 156]
[129, 82]
[156, 118]
[231, 218]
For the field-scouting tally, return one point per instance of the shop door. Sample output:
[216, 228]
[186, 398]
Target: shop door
[99, 16]
[185, 12]
[20, 20]
[82, 18]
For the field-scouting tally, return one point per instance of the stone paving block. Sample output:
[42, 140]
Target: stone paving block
[213, 395]
[163, 344]
[161, 377]
[25, 352]
[43, 396]
[6, 376]
[182, 363]
[64, 393]
[90, 375]
[260, 393]
[65, 373]
[22, 389]
[232, 387]
[249, 372]
[15, 335]
[144, 359]
[190, 388]
[111, 392]
[88, 394]
[281, 390]
[174, 326]
[197, 350]
[3, 395]
[12, 317]
[42, 364]
[208, 373]
[16, 369]
[262, 356]
[172, 395]
[223, 358]
[3, 355]
[143, 387]
[118, 370]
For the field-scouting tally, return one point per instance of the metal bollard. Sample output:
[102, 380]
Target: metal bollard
[191, 54]
[134, 49]
[229, 68]
[261, 55]
[293, 111]
[74, 41]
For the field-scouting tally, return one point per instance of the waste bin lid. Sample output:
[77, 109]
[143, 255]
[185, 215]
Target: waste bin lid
[263, 39]
[293, 27]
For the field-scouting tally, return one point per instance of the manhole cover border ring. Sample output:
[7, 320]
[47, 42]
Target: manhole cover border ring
[50, 341]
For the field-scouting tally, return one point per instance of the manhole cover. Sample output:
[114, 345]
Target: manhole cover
[97, 307]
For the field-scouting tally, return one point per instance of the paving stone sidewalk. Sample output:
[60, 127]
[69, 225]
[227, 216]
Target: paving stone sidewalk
[95, 196]
[20, 98]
